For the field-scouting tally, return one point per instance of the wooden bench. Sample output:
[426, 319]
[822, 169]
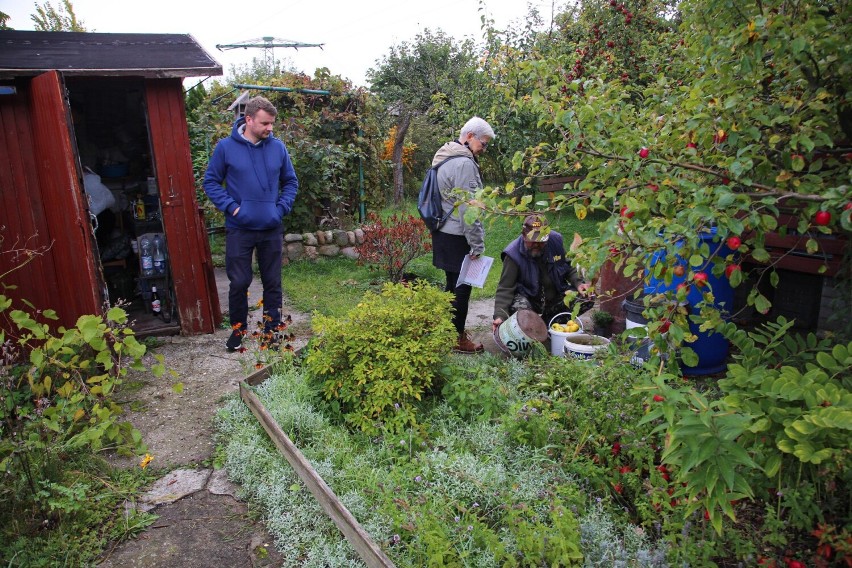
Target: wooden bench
[553, 184]
[790, 252]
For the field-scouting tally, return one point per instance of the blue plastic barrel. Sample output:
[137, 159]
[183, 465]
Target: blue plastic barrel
[712, 348]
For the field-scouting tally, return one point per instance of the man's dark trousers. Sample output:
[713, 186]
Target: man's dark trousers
[239, 245]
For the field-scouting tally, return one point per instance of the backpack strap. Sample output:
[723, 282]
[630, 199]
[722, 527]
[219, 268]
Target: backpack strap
[445, 160]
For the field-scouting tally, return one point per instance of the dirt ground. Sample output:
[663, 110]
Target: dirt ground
[204, 526]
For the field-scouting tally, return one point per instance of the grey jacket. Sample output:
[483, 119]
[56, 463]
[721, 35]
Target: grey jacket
[459, 174]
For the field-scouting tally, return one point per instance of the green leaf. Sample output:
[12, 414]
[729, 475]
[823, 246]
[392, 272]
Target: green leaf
[762, 304]
[773, 464]
[689, 357]
[117, 315]
[760, 255]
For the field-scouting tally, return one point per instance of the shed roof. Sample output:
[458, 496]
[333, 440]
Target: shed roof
[24, 53]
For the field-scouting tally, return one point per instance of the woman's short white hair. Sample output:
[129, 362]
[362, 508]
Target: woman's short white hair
[478, 128]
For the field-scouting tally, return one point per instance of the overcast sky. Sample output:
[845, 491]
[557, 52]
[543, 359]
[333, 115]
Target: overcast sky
[355, 34]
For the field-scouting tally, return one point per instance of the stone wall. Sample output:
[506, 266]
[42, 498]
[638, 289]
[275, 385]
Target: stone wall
[312, 246]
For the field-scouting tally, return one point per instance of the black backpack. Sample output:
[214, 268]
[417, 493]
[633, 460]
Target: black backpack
[429, 199]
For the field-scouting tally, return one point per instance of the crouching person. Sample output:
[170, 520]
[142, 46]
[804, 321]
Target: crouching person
[536, 275]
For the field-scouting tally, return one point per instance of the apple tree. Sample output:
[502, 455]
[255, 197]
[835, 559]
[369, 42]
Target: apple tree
[705, 116]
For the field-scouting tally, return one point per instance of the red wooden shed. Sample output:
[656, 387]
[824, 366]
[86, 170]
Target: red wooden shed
[94, 162]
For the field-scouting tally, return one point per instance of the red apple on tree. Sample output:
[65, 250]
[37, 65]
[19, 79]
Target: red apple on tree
[643, 152]
[822, 218]
[734, 242]
[720, 136]
[626, 213]
[679, 270]
[665, 325]
[700, 278]
[653, 187]
[731, 268]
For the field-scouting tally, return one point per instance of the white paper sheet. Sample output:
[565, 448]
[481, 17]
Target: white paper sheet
[474, 272]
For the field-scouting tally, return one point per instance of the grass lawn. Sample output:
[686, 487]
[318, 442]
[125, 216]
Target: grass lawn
[310, 284]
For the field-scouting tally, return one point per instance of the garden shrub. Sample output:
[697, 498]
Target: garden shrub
[776, 433]
[474, 392]
[56, 412]
[376, 362]
[391, 244]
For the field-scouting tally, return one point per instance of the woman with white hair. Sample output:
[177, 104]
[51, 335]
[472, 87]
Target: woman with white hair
[456, 238]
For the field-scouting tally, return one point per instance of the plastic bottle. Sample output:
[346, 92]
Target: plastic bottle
[139, 208]
[158, 257]
[156, 307]
[145, 257]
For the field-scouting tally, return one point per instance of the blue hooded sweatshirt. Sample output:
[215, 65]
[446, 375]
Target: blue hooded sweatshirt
[259, 179]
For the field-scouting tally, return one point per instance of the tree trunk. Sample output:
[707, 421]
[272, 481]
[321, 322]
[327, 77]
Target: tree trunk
[396, 160]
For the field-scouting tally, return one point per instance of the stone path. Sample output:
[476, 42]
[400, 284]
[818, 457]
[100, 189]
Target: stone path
[201, 520]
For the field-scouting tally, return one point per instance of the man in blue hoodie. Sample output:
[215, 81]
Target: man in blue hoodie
[260, 186]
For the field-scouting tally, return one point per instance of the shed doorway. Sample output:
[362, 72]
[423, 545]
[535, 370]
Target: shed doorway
[111, 131]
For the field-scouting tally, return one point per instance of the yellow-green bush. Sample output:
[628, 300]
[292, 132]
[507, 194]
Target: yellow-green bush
[375, 362]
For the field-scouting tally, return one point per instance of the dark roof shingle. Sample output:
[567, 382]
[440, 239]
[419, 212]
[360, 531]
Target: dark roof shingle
[80, 53]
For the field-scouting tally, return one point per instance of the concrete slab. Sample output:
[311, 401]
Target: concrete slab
[174, 486]
[219, 484]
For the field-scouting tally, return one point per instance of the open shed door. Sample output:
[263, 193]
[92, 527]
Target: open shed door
[186, 237]
[75, 287]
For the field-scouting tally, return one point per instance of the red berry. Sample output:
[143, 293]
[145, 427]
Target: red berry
[795, 564]
[653, 187]
[665, 325]
[610, 44]
[662, 468]
[822, 218]
[730, 269]
[848, 206]
[666, 477]
[616, 449]
[618, 488]
[625, 469]
[706, 515]
[627, 213]
[691, 145]
[659, 398]
[734, 243]
[700, 278]
[643, 153]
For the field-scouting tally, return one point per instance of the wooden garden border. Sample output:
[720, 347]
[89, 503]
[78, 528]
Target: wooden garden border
[366, 548]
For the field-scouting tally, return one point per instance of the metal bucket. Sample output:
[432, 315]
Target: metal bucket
[518, 334]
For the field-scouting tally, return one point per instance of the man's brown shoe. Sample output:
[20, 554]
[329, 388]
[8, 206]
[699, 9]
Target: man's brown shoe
[465, 345]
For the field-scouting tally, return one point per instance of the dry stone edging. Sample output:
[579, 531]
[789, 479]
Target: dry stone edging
[310, 246]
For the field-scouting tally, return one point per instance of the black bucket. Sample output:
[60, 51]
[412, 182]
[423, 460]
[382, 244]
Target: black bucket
[633, 313]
